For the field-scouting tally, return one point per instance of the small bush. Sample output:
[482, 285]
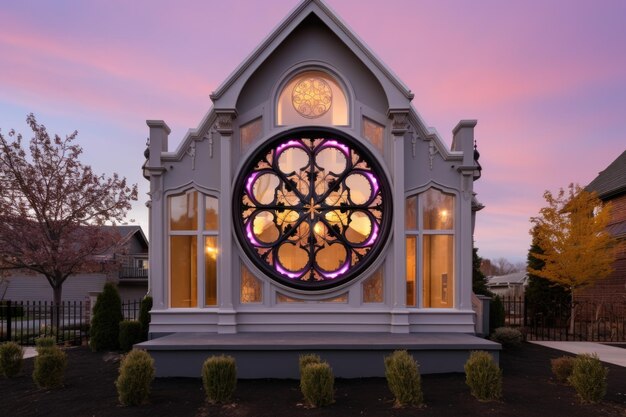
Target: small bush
[403, 378]
[130, 333]
[135, 378]
[496, 313]
[11, 359]
[219, 377]
[307, 359]
[105, 324]
[589, 378]
[144, 316]
[483, 376]
[317, 384]
[43, 343]
[562, 368]
[50, 368]
[508, 337]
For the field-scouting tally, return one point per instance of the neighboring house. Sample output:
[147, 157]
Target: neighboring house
[132, 277]
[509, 285]
[311, 198]
[610, 186]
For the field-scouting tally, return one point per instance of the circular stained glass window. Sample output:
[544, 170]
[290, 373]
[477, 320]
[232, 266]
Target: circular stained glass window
[312, 209]
[312, 97]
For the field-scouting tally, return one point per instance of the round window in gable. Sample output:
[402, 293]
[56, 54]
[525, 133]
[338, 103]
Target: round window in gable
[312, 209]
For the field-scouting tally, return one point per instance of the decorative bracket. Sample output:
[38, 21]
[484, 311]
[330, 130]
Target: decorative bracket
[191, 151]
[432, 151]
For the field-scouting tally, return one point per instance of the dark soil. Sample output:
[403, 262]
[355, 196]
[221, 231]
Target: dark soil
[529, 390]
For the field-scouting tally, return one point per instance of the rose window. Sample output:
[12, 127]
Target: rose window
[312, 210]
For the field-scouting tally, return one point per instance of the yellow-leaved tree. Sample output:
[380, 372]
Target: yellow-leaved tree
[571, 231]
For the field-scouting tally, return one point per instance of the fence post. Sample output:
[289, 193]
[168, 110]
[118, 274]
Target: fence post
[9, 320]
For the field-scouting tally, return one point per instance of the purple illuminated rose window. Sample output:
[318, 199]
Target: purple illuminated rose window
[312, 212]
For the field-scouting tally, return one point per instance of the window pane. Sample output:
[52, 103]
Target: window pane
[438, 210]
[373, 288]
[183, 271]
[438, 271]
[312, 98]
[184, 211]
[251, 287]
[411, 268]
[210, 270]
[250, 132]
[410, 213]
[211, 218]
[374, 132]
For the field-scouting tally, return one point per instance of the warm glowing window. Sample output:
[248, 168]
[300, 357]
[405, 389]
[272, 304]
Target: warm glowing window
[312, 98]
[191, 270]
[373, 288]
[314, 210]
[251, 287]
[374, 132]
[249, 133]
[429, 223]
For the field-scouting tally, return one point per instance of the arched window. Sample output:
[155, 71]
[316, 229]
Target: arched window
[312, 98]
[312, 209]
[193, 221]
[429, 224]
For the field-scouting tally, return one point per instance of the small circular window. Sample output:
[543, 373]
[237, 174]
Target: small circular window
[312, 209]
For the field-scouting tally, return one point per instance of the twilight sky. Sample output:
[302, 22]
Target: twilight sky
[545, 79]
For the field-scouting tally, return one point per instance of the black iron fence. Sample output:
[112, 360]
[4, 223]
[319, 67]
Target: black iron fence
[593, 321]
[68, 322]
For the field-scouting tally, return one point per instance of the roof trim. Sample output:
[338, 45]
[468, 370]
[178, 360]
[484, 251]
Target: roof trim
[298, 14]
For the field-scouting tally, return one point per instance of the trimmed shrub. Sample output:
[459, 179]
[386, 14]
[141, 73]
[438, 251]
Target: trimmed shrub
[589, 378]
[11, 359]
[508, 337]
[144, 316]
[403, 379]
[50, 368]
[317, 384]
[130, 333]
[219, 377]
[307, 359]
[43, 343]
[136, 376]
[105, 324]
[562, 368]
[496, 313]
[483, 376]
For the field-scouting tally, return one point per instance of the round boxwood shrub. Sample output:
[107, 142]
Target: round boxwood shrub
[219, 378]
[508, 337]
[483, 376]
[562, 368]
[50, 368]
[11, 359]
[135, 378]
[144, 316]
[403, 378]
[105, 324]
[44, 343]
[317, 384]
[130, 333]
[589, 378]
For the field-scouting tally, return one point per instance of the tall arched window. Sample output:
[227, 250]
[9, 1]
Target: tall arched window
[312, 98]
[193, 220]
[429, 225]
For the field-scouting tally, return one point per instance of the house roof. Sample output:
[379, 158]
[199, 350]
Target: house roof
[612, 181]
[515, 278]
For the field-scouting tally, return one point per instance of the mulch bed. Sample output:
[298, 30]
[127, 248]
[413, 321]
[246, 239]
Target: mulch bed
[529, 390]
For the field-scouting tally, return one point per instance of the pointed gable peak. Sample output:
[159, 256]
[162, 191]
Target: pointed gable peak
[225, 96]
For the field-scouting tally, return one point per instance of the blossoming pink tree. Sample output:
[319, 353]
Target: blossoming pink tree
[52, 207]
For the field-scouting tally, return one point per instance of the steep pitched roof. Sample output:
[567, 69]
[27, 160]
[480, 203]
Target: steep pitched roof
[611, 181]
[288, 24]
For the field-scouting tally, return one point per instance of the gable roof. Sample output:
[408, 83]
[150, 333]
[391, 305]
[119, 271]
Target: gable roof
[612, 181]
[285, 28]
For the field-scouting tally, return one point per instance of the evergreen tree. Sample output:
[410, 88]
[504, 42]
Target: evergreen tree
[105, 324]
[479, 281]
[544, 298]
